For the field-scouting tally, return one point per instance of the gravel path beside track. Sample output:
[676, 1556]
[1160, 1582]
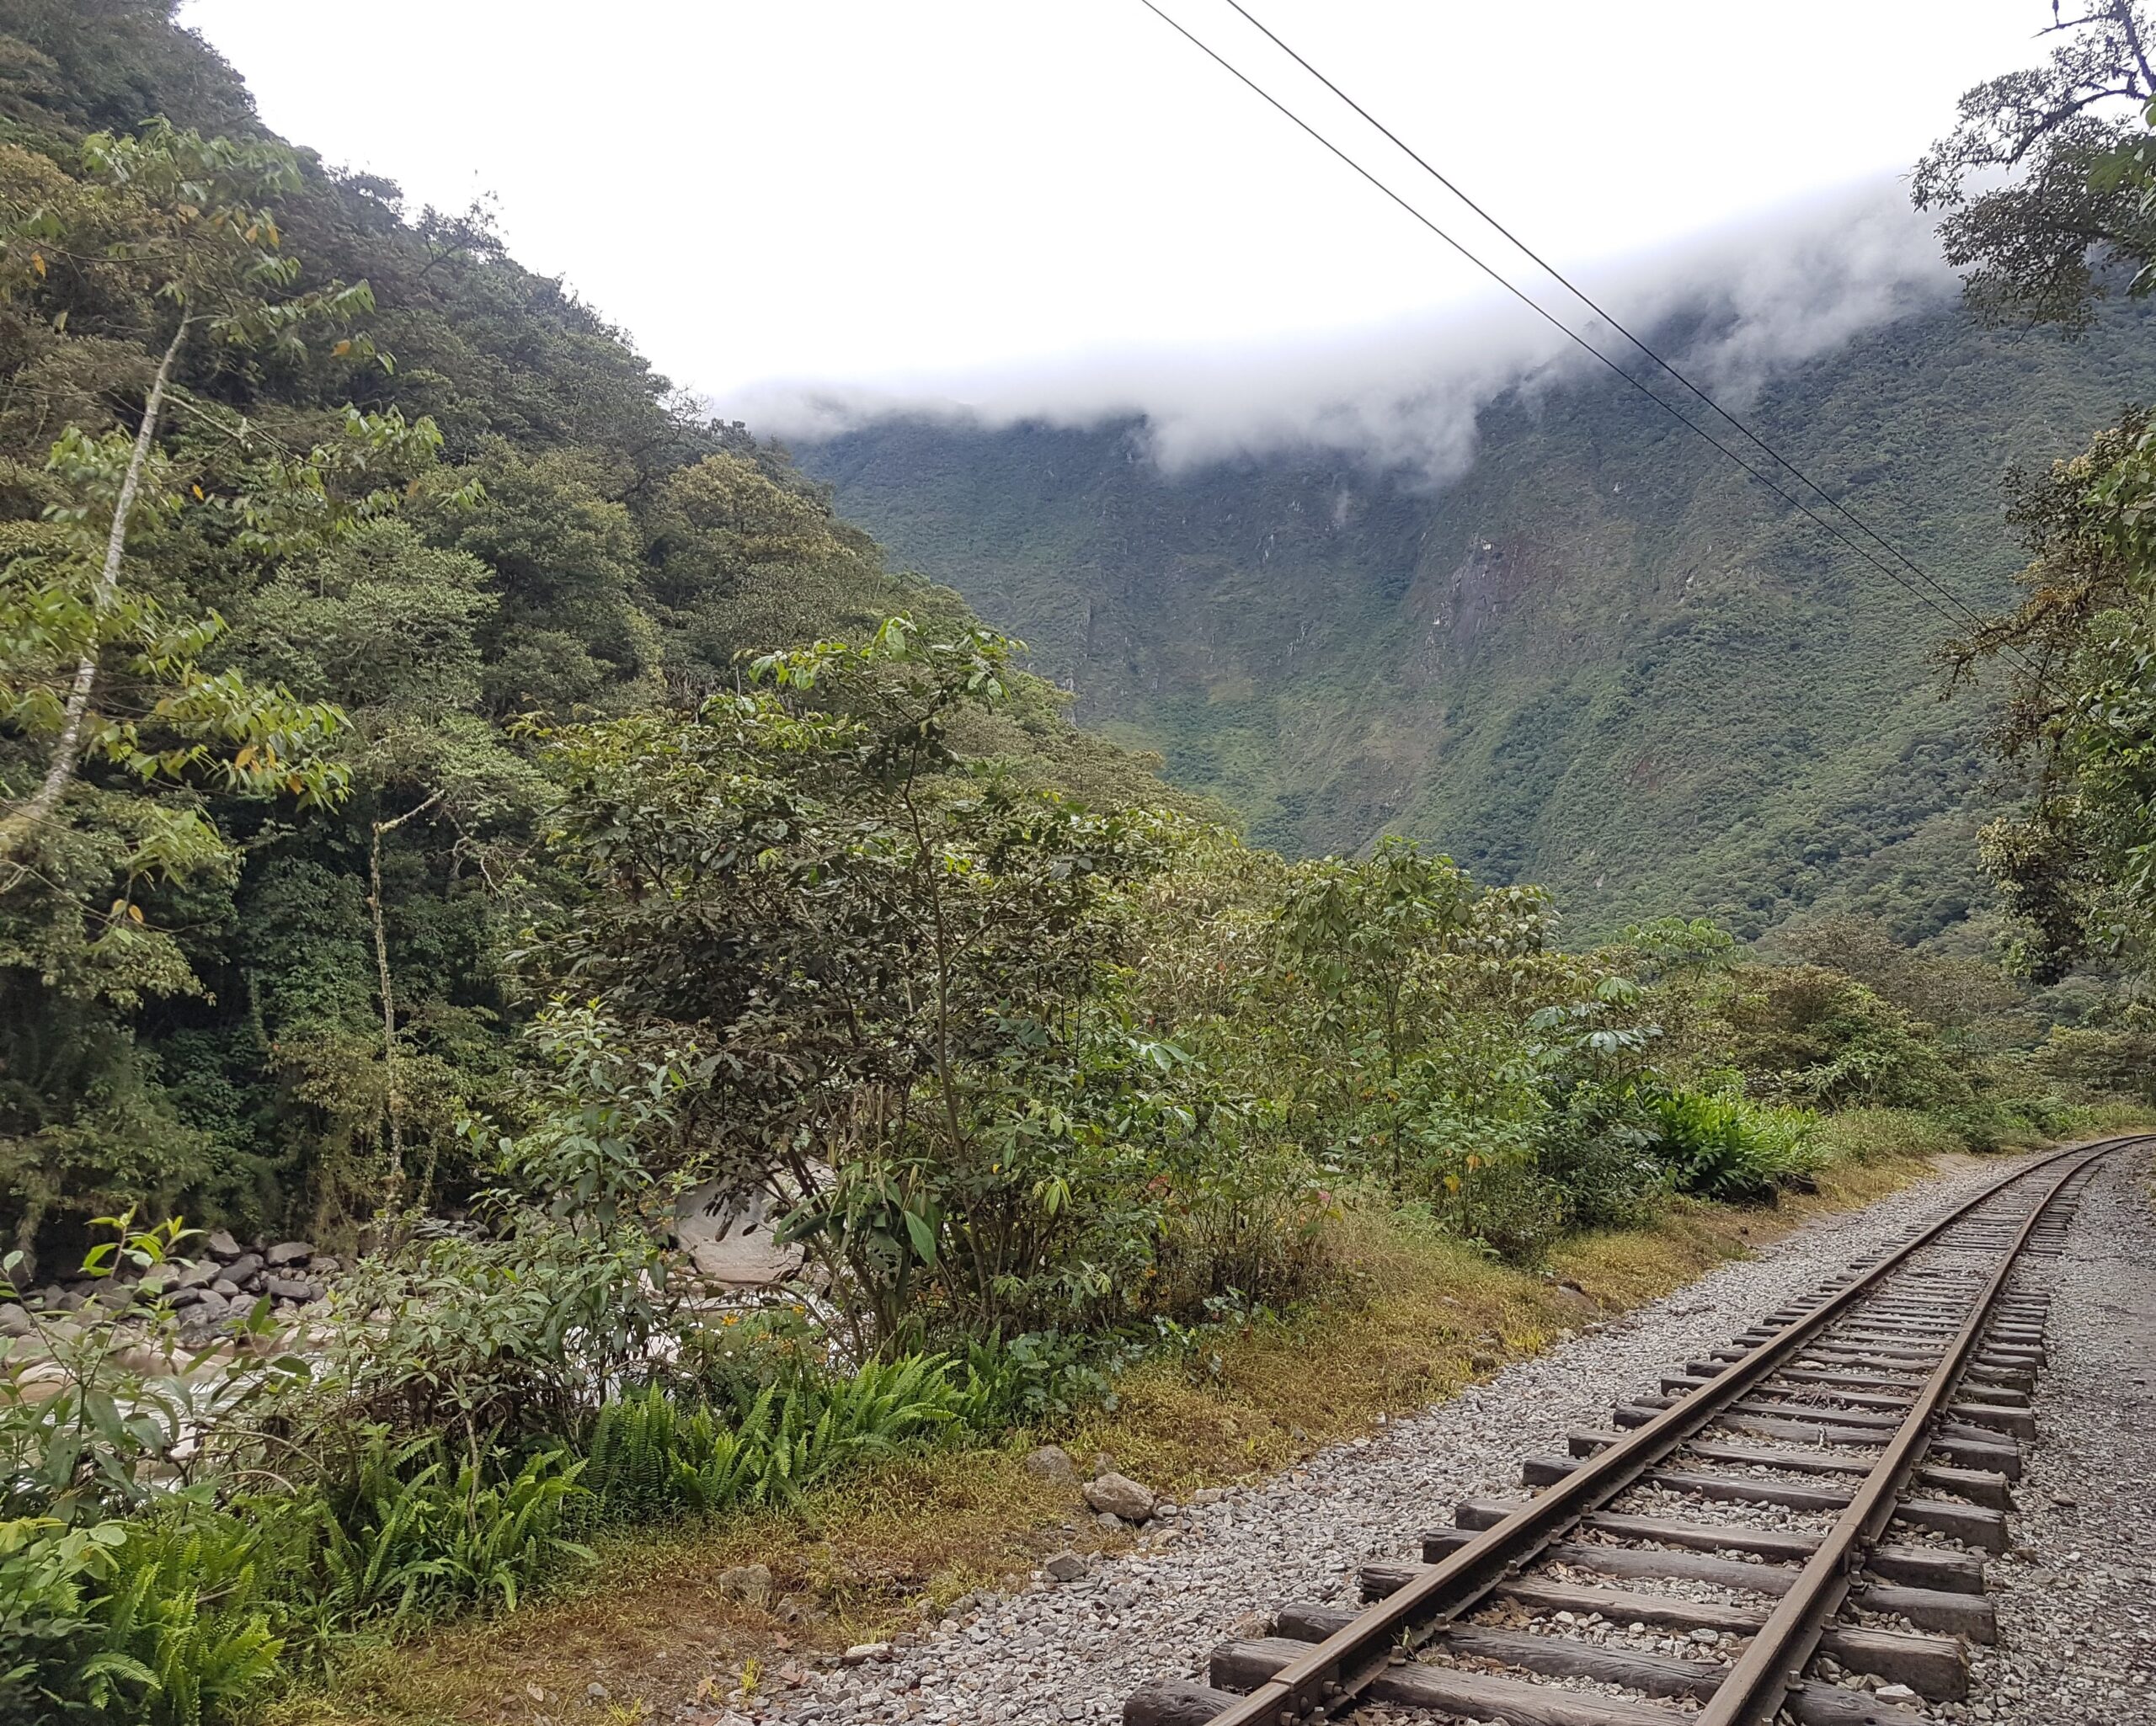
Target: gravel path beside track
[2077, 1595]
[1073, 1651]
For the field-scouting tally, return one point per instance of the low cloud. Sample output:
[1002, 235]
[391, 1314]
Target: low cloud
[1742, 304]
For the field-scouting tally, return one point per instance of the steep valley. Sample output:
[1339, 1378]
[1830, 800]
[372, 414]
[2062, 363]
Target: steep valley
[1602, 659]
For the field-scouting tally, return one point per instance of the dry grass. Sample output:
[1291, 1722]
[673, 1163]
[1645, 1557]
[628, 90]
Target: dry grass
[1422, 1316]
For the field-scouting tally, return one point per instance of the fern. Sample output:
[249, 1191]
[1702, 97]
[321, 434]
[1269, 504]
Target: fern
[182, 1638]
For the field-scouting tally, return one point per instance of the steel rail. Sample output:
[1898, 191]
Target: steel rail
[1774, 1664]
[1323, 1683]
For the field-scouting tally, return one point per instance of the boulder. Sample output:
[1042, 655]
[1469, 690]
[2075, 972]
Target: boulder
[1052, 1463]
[727, 1237]
[287, 1253]
[222, 1245]
[1118, 1495]
[208, 1311]
[244, 1266]
[1064, 1566]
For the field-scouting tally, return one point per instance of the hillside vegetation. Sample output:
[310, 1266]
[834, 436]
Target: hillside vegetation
[1602, 659]
[456, 801]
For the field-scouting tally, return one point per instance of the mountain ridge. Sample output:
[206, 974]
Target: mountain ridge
[1602, 658]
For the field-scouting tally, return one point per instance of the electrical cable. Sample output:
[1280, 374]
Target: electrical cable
[1550, 318]
[1610, 318]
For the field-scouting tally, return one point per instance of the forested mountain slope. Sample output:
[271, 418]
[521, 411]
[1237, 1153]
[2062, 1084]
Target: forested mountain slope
[208, 1030]
[1602, 659]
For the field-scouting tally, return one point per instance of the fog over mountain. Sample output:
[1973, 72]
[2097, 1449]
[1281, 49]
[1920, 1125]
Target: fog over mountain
[1740, 304]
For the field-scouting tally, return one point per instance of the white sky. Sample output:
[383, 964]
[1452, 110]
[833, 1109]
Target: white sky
[892, 192]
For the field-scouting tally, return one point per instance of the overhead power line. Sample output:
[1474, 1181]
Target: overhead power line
[1610, 318]
[1733, 456]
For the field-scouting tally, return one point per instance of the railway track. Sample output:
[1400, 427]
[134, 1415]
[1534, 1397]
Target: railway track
[1791, 1530]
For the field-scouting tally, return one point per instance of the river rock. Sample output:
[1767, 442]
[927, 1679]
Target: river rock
[289, 1252]
[200, 1275]
[222, 1245]
[244, 1266]
[290, 1288]
[226, 1286]
[209, 1311]
[731, 1237]
[14, 1321]
[1118, 1495]
[1052, 1463]
[750, 1584]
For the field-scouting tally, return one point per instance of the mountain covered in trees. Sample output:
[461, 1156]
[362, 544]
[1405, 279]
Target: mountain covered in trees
[402, 498]
[1601, 659]
[457, 800]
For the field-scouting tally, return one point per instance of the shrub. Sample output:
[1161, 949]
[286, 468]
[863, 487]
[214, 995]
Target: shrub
[93, 1403]
[48, 1574]
[1596, 1150]
[1509, 1205]
[1036, 1376]
[1866, 1135]
[1987, 1124]
[2113, 1117]
[511, 1337]
[1808, 1034]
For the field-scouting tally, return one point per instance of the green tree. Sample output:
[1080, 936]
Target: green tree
[877, 960]
[2076, 208]
[1372, 946]
[202, 253]
[2044, 180]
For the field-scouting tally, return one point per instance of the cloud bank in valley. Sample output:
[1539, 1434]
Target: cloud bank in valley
[1751, 299]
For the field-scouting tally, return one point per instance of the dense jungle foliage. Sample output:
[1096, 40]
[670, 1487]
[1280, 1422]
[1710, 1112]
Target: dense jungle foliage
[455, 800]
[401, 495]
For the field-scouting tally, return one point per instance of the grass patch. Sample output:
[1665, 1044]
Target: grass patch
[1419, 1316]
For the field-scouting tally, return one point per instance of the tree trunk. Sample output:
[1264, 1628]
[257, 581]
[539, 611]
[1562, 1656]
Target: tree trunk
[393, 1101]
[67, 753]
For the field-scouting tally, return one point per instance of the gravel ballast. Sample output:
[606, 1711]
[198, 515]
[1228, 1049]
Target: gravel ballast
[2077, 1594]
[1073, 1651]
